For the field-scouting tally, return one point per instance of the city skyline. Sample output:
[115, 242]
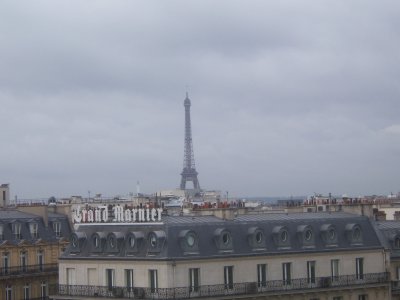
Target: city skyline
[288, 98]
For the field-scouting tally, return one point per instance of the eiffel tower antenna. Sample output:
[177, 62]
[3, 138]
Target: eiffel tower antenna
[189, 172]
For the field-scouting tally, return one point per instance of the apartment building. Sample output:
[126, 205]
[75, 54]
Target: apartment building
[326, 256]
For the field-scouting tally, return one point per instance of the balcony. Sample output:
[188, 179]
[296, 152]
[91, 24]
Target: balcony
[396, 287]
[247, 288]
[43, 269]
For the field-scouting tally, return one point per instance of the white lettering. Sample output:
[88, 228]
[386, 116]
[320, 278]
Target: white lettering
[97, 215]
[118, 214]
[76, 215]
[90, 217]
[159, 211]
[141, 215]
[134, 212]
[100, 214]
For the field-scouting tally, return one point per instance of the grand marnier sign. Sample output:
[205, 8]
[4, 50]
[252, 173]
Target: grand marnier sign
[100, 214]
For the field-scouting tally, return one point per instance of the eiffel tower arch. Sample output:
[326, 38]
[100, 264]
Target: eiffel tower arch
[189, 172]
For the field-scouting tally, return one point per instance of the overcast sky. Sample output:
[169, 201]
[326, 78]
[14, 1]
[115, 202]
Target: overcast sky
[288, 97]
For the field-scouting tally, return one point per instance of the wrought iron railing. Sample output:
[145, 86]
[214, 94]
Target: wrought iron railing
[27, 269]
[396, 286]
[222, 289]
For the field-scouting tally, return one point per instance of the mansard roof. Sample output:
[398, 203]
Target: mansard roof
[196, 237]
[45, 232]
[390, 235]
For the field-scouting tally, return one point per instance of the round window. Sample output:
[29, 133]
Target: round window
[331, 234]
[153, 240]
[259, 237]
[284, 236]
[308, 235]
[74, 242]
[190, 239]
[356, 233]
[131, 241]
[226, 238]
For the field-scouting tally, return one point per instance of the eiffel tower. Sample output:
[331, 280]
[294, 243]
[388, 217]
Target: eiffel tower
[189, 172]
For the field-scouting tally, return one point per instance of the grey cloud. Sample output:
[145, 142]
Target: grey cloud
[288, 97]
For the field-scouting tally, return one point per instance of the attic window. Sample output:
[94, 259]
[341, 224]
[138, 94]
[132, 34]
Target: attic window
[308, 235]
[33, 227]
[397, 243]
[226, 238]
[74, 241]
[284, 236]
[331, 234]
[356, 233]
[1, 231]
[112, 242]
[96, 241]
[190, 239]
[259, 237]
[57, 228]
[153, 240]
[16, 228]
[131, 241]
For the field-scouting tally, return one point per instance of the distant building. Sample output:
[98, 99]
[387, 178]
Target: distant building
[261, 256]
[4, 195]
[30, 245]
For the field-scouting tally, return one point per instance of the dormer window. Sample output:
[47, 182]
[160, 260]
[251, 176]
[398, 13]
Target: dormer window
[16, 229]
[397, 243]
[33, 227]
[281, 238]
[256, 238]
[223, 240]
[57, 228]
[226, 238]
[354, 234]
[259, 237]
[132, 241]
[153, 240]
[284, 236]
[1, 232]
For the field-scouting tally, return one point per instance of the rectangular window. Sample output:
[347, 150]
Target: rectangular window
[110, 277]
[40, 260]
[16, 231]
[337, 298]
[228, 277]
[153, 280]
[71, 276]
[360, 268]
[334, 269]
[57, 228]
[286, 273]
[363, 297]
[311, 272]
[23, 261]
[1, 232]
[33, 228]
[43, 290]
[26, 291]
[261, 275]
[9, 292]
[129, 279]
[194, 274]
[6, 262]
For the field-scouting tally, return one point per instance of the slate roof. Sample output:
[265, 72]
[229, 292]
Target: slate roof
[209, 232]
[45, 233]
[390, 231]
